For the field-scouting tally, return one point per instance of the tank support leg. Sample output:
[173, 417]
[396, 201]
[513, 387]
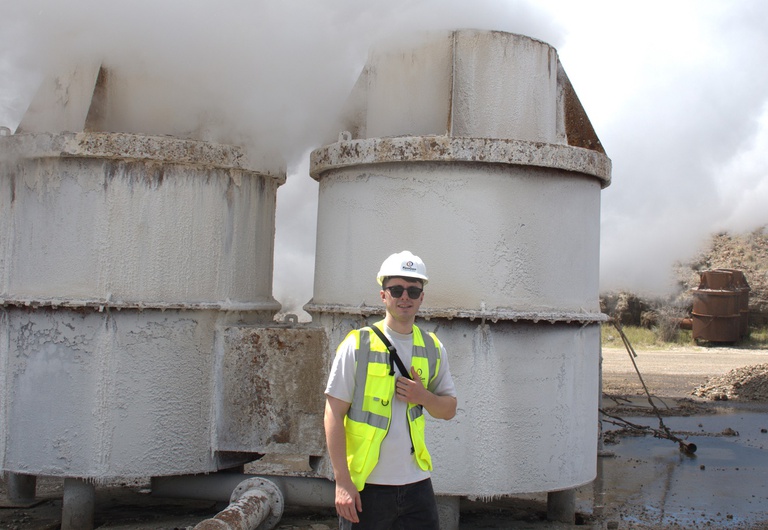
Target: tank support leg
[78, 506]
[448, 512]
[21, 488]
[561, 506]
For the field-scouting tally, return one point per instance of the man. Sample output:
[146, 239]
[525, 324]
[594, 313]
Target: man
[374, 420]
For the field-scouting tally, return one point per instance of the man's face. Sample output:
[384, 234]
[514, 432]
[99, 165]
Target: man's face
[403, 308]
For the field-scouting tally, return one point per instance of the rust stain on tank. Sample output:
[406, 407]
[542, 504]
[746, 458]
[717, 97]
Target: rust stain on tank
[578, 128]
[350, 149]
[273, 383]
[574, 159]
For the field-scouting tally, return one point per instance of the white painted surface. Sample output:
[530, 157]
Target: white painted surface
[461, 83]
[151, 231]
[527, 413]
[493, 237]
[408, 90]
[505, 86]
[62, 102]
[107, 395]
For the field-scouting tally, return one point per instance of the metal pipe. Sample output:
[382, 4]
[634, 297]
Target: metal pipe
[256, 503]
[297, 491]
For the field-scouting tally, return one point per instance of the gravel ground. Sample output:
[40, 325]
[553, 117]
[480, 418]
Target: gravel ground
[677, 373]
[748, 383]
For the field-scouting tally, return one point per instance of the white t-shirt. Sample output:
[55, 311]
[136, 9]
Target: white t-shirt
[396, 466]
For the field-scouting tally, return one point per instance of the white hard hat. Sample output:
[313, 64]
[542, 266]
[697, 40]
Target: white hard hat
[403, 264]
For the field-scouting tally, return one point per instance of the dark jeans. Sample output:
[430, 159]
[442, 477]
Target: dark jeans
[408, 507]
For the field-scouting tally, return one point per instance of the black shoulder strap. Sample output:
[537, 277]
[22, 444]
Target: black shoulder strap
[393, 356]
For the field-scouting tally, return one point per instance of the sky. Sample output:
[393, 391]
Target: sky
[676, 90]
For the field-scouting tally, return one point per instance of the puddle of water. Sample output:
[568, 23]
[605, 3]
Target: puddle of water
[725, 484]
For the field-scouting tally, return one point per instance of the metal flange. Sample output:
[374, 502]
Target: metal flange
[277, 501]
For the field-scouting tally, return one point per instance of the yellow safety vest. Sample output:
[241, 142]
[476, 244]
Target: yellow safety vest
[370, 412]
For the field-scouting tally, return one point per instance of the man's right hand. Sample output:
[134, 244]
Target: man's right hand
[348, 501]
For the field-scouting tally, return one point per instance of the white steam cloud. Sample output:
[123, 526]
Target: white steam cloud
[676, 92]
[679, 99]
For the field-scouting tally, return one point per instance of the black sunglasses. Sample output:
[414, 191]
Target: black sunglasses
[396, 291]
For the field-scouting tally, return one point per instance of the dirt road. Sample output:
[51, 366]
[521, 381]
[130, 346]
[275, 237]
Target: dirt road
[672, 373]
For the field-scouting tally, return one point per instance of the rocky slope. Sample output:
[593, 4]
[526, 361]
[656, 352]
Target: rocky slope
[749, 383]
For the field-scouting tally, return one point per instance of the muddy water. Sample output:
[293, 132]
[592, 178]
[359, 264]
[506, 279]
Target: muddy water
[648, 481]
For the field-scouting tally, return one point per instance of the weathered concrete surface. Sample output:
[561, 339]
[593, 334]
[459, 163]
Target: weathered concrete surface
[449, 149]
[477, 227]
[272, 382]
[119, 220]
[106, 394]
[469, 83]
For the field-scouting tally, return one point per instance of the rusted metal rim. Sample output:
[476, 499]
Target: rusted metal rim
[124, 146]
[711, 317]
[101, 305]
[401, 149]
[492, 316]
[717, 292]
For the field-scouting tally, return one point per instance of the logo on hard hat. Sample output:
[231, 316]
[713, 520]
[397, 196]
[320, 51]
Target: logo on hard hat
[408, 265]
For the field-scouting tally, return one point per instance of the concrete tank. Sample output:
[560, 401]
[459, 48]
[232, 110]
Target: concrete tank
[473, 151]
[123, 259]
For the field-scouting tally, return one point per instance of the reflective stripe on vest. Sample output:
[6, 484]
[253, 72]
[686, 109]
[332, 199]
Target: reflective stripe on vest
[370, 412]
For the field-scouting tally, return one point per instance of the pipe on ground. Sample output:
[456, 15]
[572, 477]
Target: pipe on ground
[297, 491]
[256, 503]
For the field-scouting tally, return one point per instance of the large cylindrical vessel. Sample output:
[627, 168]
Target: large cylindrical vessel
[720, 310]
[487, 168]
[121, 258]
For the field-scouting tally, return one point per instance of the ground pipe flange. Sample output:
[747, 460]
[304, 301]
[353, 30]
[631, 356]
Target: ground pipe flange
[255, 504]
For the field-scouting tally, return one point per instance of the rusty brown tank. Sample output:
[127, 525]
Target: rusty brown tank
[721, 306]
